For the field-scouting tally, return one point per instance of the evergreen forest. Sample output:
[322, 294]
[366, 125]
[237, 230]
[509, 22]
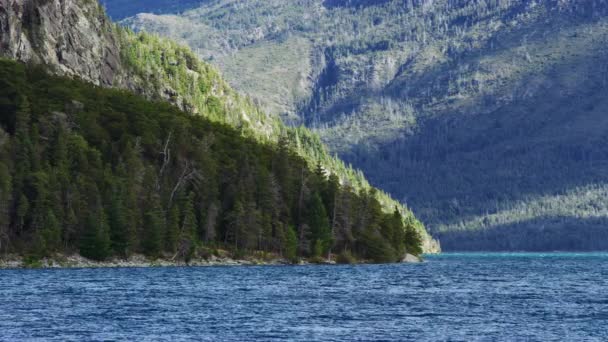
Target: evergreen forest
[106, 173]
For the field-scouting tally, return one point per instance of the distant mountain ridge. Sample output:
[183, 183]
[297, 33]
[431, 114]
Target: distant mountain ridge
[469, 111]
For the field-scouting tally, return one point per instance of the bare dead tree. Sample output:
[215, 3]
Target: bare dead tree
[166, 159]
[189, 174]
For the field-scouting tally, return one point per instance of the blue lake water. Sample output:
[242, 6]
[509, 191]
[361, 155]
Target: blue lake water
[452, 297]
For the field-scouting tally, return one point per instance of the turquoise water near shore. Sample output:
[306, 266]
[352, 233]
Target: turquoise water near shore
[450, 297]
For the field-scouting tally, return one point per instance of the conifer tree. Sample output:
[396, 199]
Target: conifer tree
[319, 224]
[95, 242]
[172, 233]
[236, 225]
[119, 226]
[291, 244]
[189, 222]
[153, 228]
[5, 205]
[23, 145]
[413, 242]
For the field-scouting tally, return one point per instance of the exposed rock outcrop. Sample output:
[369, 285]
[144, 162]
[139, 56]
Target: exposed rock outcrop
[73, 37]
[411, 259]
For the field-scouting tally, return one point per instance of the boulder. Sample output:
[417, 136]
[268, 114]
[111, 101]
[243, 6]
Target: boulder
[411, 259]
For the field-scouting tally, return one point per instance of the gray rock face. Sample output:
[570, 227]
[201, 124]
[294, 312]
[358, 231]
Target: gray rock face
[411, 259]
[72, 37]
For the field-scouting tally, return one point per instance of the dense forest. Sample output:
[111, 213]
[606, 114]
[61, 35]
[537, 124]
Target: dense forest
[484, 116]
[87, 45]
[106, 173]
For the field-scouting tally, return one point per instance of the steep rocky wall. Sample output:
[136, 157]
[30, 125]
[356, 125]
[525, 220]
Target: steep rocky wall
[73, 37]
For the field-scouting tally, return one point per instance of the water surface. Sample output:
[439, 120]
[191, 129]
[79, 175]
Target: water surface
[452, 297]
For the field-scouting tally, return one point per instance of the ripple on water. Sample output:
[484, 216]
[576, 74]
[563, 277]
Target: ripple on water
[455, 297]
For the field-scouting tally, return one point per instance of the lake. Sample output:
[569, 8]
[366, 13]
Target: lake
[451, 297]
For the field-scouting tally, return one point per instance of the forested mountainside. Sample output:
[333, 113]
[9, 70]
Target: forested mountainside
[487, 117]
[105, 172]
[75, 38]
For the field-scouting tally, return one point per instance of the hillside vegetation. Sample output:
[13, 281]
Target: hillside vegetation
[75, 38]
[468, 111]
[104, 172]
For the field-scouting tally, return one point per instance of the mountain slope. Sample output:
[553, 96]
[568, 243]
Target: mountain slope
[466, 110]
[107, 173]
[74, 38]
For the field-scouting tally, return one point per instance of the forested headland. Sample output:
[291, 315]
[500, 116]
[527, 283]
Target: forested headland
[103, 172]
[486, 117]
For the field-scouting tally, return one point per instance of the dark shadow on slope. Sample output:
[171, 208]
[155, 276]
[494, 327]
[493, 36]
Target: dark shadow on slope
[460, 165]
[539, 235]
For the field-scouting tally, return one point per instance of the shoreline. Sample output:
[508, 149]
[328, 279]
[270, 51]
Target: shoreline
[15, 262]
[135, 261]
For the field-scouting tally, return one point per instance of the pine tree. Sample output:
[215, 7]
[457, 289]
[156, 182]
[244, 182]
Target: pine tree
[23, 207]
[210, 222]
[119, 226]
[320, 228]
[52, 232]
[374, 247]
[5, 205]
[153, 228]
[236, 224]
[23, 145]
[95, 243]
[413, 242]
[172, 233]
[189, 222]
[291, 244]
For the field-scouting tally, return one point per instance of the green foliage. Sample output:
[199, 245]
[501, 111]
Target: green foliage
[291, 244]
[153, 231]
[376, 248]
[95, 243]
[413, 241]
[126, 175]
[320, 229]
[345, 258]
[172, 72]
[456, 106]
[120, 231]
[172, 234]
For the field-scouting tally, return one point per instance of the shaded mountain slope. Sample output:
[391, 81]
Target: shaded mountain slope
[463, 109]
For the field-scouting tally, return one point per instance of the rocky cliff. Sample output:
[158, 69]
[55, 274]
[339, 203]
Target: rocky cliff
[73, 37]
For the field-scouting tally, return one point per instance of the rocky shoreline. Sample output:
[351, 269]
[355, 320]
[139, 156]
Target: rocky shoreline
[137, 261]
[141, 261]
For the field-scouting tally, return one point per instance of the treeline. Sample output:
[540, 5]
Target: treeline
[157, 65]
[106, 173]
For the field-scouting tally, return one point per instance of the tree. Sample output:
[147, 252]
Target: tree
[5, 205]
[47, 240]
[413, 242]
[23, 207]
[236, 224]
[392, 230]
[95, 242]
[320, 228]
[374, 247]
[120, 231]
[172, 233]
[189, 222]
[23, 145]
[291, 244]
[153, 228]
